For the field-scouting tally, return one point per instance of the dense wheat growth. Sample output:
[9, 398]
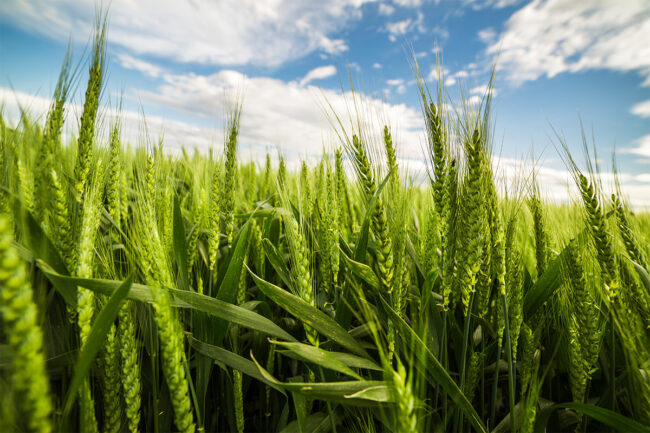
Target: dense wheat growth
[141, 291]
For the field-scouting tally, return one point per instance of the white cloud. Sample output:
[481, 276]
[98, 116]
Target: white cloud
[484, 4]
[450, 81]
[435, 71]
[225, 32]
[376, 65]
[644, 177]
[318, 74]
[450, 78]
[130, 62]
[558, 185]
[386, 9]
[546, 38]
[641, 109]
[487, 35]
[176, 133]
[482, 90]
[440, 33]
[398, 83]
[280, 113]
[408, 3]
[474, 100]
[275, 114]
[641, 148]
[400, 28]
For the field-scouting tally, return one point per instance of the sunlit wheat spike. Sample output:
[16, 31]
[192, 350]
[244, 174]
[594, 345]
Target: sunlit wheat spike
[25, 337]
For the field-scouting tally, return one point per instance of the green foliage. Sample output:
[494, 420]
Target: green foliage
[390, 305]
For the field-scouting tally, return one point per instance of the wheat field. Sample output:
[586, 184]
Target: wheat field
[142, 291]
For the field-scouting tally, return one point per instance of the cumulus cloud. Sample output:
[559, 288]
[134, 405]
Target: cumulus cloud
[400, 28]
[130, 62]
[408, 3]
[451, 78]
[547, 38]
[482, 90]
[176, 133]
[386, 9]
[558, 185]
[318, 74]
[224, 32]
[487, 35]
[398, 84]
[641, 147]
[277, 113]
[485, 4]
[641, 109]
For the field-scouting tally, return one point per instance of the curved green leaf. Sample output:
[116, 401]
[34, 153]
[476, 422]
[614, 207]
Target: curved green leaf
[355, 361]
[95, 341]
[182, 299]
[364, 272]
[605, 416]
[230, 282]
[232, 360]
[378, 393]
[334, 391]
[315, 423]
[643, 274]
[318, 356]
[278, 264]
[434, 368]
[545, 286]
[309, 315]
[262, 212]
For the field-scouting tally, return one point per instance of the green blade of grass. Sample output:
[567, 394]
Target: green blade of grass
[231, 360]
[228, 287]
[610, 418]
[230, 283]
[351, 392]
[643, 274]
[318, 356]
[182, 299]
[95, 341]
[309, 315]
[278, 264]
[362, 271]
[435, 369]
[318, 422]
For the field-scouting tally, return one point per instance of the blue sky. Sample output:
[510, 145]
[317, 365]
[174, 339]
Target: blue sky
[183, 62]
